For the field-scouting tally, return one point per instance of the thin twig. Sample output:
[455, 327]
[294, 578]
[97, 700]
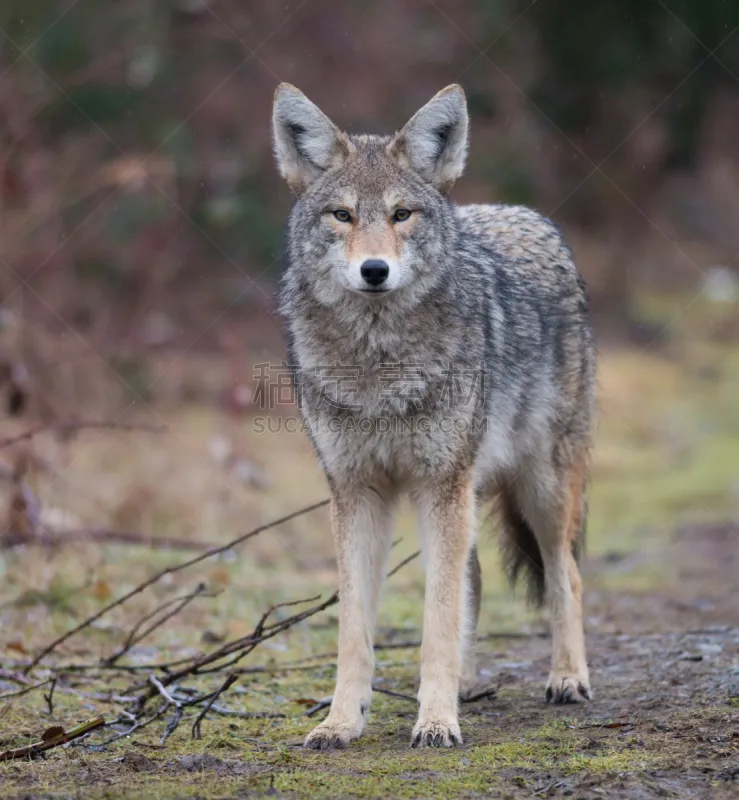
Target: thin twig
[490, 692]
[273, 669]
[54, 538]
[135, 727]
[230, 712]
[168, 571]
[33, 750]
[134, 637]
[50, 697]
[178, 709]
[240, 648]
[399, 695]
[12, 675]
[402, 563]
[323, 660]
[162, 691]
[70, 427]
[25, 690]
[230, 680]
[319, 706]
[172, 724]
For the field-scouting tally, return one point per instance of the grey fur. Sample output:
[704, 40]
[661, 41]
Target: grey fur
[483, 289]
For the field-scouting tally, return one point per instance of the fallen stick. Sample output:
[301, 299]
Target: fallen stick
[16, 677]
[230, 680]
[168, 571]
[134, 636]
[50, 538]
[25, 690]
[54, 737]
[230, 712]
[50, 697]
[398, 695]
[319, 706]
[162, 691]
[240, 648]
[490, 692]
[71, 427]
[138, 725]
[178, 709]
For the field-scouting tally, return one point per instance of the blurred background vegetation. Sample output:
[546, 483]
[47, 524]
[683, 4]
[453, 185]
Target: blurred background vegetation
[140, 210]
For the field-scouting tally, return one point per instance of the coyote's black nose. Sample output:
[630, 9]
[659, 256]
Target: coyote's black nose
[374, 271]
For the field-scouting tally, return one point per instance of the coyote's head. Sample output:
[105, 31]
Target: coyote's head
[371, 215]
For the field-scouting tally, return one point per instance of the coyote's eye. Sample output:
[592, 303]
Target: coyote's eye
[342, 215]
[401, 215]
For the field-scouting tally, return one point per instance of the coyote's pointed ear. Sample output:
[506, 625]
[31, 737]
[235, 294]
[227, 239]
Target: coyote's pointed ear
[306, 142]
[434, 141]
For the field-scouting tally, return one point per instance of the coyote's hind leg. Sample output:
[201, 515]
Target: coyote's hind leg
[551, 500]
[468, 682]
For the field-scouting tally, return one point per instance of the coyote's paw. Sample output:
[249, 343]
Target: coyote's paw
[436, 733]
[562, 688]
[332, 735]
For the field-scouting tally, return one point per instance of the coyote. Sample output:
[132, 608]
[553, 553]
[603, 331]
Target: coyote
[444, 352]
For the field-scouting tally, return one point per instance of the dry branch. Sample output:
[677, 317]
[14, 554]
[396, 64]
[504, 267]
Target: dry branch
[50, 697]
[168, 571]
[135, 636]
[73, 427]
[164, 682]
[398, 695]
[484, 694]
[51, 538]
[25, 690]
[240, 648]
[172, 724]
[137, 726]
[230, 712]
[52, 739]
[162, 691]
[230, 680]
[319, 706]
[177, 716]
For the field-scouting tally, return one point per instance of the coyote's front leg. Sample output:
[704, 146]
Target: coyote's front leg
[361, 527]
[448, 531]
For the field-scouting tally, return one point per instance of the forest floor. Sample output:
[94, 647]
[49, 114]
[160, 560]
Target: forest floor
[661, 609]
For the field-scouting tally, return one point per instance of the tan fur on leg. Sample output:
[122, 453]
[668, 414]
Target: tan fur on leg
[569, 681]
[448, 530]
[361, 525]
[473, 579]
[552, 502]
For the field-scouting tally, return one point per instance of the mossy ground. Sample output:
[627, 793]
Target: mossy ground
[661, 605]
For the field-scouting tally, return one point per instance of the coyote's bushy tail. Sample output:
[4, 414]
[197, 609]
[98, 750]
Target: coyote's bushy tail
[521, 553]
